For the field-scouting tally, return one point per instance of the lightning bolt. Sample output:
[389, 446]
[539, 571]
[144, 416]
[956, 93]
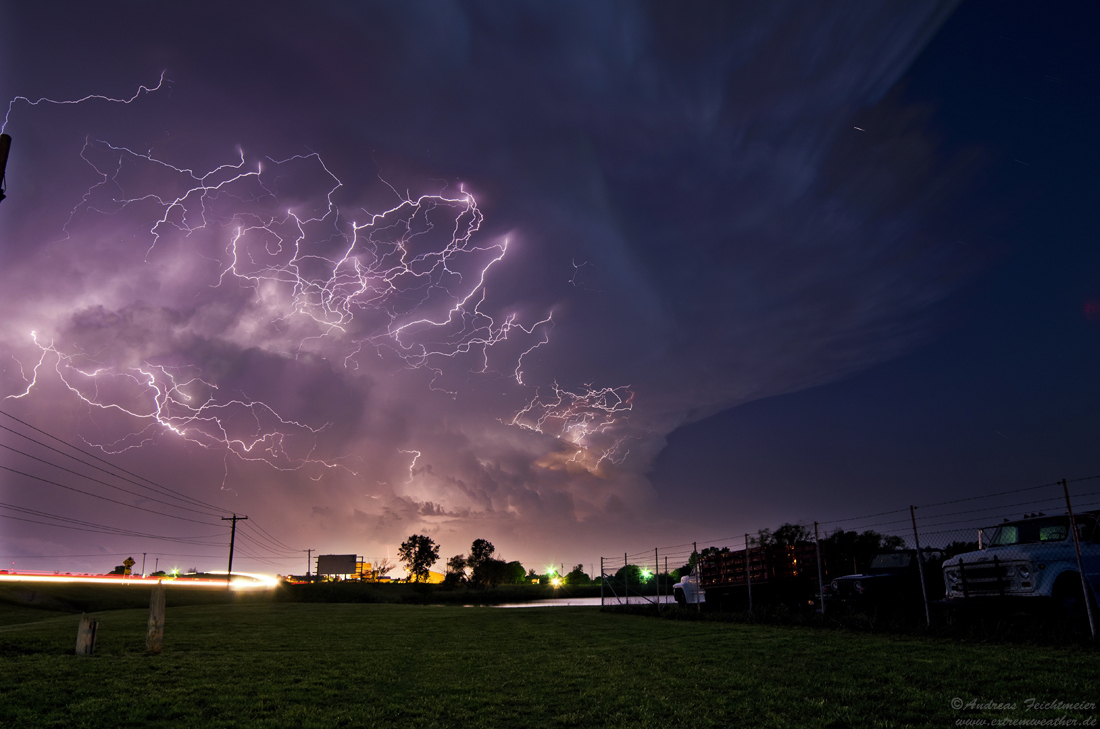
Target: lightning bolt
[160, 400]
[142, 90]
[407, 285]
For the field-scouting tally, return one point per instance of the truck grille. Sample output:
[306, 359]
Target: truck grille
[986, 579]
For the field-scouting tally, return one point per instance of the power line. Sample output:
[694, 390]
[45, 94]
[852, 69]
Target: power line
[104, 483]
[989, 496]
[269, 542]
[86, 526]
[104, 498]
[273, 539]
[868, 516]
[104, 554]
[178, 494]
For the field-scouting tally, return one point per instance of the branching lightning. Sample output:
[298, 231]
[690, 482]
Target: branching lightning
[186, 406]
[407, 285]
[578, 417]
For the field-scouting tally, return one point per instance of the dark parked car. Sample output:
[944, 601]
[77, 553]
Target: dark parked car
[892, 580]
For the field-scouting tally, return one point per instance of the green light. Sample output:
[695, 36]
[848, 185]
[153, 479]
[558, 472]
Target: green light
[646, 574]
[551, 571]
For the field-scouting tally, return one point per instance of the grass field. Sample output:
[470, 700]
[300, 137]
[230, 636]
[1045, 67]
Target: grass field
[275, 664]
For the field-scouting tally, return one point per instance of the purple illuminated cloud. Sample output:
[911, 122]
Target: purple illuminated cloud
[257, 274]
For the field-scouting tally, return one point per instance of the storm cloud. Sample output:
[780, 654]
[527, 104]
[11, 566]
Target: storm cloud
[369, 270]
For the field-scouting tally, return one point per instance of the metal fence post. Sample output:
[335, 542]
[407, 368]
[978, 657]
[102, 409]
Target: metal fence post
[820, 573]
[657, 576]
[602, 581]
[748, 570]
[626, 577]
[698, 577]
[920, 566]
[1080, 569]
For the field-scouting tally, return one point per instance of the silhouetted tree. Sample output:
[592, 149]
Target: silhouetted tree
[577, 576]
[851, 552]
[481, 551]
[492, 572]
[418, 553]
[515, 574]
[631, 572]
[958, 547]
[456, 571]
[786, 535]
[382, 566]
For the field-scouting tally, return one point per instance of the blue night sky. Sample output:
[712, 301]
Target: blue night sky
[576, 278]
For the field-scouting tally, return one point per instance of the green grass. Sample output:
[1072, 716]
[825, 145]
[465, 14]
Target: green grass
[325, 665]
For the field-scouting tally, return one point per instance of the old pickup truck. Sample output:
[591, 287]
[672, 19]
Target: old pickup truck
[1031, 559]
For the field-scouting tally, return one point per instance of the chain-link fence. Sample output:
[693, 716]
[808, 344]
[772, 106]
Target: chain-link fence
[1033, 550]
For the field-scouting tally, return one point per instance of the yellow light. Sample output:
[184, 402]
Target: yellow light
[556, 582]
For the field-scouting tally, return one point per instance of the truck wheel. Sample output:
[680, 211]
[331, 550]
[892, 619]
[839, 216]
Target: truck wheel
[1069, 601]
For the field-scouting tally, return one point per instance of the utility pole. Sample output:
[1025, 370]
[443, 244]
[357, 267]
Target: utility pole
[5, 145]
[157, 567]
[232, 538]
[309, 561]
[143, 564]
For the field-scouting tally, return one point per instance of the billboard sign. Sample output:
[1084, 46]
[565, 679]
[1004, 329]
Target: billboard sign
[336, 564]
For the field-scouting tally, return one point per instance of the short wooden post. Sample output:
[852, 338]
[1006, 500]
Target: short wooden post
[85, 636]
[154, 636]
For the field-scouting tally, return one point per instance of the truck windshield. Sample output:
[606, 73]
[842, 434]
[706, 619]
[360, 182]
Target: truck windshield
[1050, 529]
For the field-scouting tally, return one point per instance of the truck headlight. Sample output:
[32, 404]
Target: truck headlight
[859, 587]
[953, 578]
[834, 585]
[1025, 572]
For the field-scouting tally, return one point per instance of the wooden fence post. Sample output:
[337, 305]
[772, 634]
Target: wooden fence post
[85, 636]
[154, 636]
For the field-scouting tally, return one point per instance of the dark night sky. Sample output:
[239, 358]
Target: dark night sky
[739, 265]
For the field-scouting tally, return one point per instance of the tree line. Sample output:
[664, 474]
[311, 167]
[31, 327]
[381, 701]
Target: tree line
[479, 568]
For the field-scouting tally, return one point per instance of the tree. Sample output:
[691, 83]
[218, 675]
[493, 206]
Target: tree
[481, 553]
[790, 535]
[786, 535]
[852, 550]
[631, 574]
[457, 564]
[456, 571]
[382, 566]
[515, 574]
[418, 553]
[577, 576]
